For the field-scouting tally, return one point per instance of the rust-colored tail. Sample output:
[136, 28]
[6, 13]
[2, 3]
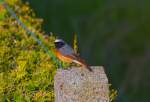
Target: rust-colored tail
[83, 64]
[88, 67]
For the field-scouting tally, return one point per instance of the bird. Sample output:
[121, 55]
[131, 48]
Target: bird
[65, 53]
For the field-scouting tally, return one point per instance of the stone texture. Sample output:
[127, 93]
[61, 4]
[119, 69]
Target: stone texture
[80, 85]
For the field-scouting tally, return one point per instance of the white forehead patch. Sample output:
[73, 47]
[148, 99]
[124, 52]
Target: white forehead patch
[59, 40]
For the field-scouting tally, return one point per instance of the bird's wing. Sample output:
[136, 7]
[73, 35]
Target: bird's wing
[78, 60]
[66, 50]
[70, 53]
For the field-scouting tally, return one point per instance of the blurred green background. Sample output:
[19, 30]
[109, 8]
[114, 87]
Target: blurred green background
[111, 33]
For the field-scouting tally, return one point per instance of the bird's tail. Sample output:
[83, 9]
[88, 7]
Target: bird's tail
[83, 64]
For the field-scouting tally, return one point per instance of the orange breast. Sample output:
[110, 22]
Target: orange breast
[63, 58]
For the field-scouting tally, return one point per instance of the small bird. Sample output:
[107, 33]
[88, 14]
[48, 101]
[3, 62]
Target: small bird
[65, 53]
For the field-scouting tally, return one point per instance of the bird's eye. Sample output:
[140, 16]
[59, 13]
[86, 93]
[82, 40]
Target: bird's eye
[59, 44]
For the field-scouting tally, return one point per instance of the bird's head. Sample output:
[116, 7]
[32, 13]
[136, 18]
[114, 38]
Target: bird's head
[59, 43]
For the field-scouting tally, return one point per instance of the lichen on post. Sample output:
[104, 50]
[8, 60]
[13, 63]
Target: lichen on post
[80, 85]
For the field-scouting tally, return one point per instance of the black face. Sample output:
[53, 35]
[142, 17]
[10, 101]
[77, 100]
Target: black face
[59, 44]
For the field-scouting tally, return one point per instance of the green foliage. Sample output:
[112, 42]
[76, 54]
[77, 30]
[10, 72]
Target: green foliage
[112, 94]
[75, 43]
[1, 1]
[26, 71]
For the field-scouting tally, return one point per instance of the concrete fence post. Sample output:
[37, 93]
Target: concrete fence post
[80, 85]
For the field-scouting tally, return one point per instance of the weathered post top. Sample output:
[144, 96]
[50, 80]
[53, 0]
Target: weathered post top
[80, 85]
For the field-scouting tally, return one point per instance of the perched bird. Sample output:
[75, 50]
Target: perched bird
[65, 53]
